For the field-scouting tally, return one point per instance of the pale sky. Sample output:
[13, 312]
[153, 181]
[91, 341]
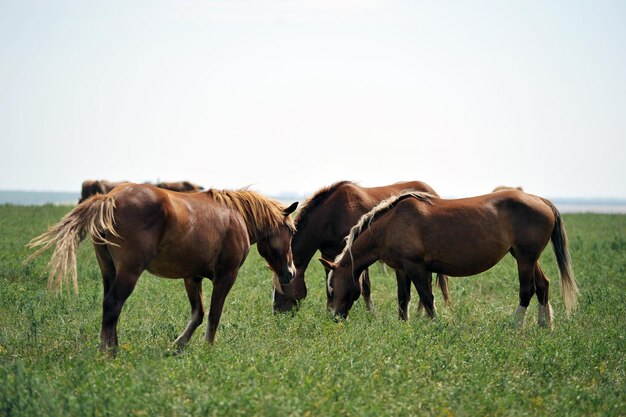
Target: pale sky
[290, 96]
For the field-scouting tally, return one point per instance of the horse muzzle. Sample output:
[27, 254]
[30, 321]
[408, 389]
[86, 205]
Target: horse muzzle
[340, 314]
[288, 275]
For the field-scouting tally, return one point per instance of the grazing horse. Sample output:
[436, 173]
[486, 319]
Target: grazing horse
[420, 233]
[322, 224]
[93, 187]
[182, 186]
[140, 227]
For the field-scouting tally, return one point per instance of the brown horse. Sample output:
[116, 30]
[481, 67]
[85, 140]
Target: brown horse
[420, 233]
[322, 224]
[93, 187]
[140, 227]
[182, 186]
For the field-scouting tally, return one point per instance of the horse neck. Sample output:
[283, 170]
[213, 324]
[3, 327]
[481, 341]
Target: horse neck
[259, 223]
[305, 242]
[309, 235]
[256, 231]
[363, 253]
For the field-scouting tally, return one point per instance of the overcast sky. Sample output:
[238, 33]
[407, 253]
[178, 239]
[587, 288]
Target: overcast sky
[289, 96]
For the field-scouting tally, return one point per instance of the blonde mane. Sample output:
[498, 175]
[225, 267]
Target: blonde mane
[382, 207]
[263, 215]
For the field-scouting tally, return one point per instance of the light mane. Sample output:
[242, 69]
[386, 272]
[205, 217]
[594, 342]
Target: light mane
[315, 201]
[382, 207]
[263, 215]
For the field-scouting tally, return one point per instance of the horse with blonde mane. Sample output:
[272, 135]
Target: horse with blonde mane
[139, 227]
[322, 223]
[420, 233]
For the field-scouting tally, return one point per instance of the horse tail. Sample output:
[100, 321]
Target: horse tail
[569, 289]
[95, 216]
[442, 282]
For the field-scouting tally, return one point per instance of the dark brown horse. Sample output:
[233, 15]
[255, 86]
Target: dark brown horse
[140, 227]
[93, 187]
[181, 186]
[420, 233]
[322, 224]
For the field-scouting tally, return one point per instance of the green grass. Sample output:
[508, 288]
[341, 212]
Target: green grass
[469, 361]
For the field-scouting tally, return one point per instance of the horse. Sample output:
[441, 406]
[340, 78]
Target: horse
[139, 227]
[322, 223]
[420, 233]
[93, 187]
[182, 186]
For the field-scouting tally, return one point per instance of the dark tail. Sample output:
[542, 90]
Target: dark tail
[442, 282]
[569, 289]
[95, 217]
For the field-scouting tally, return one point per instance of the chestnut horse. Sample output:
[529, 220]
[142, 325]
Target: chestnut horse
[420, 233]
[322, 224]
[140, 227]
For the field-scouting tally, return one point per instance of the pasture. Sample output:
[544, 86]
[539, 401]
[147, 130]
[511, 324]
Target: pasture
[471, 360]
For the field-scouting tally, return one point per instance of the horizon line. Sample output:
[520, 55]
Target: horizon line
[292, 193]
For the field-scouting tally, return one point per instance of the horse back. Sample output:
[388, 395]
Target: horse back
[352, 201]
[509, 213]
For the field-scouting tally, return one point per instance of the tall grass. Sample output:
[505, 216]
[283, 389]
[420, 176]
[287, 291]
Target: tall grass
[471, 360]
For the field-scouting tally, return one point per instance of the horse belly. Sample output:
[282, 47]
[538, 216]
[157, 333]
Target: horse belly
[466, 261]
[183, 261]
[166, 268]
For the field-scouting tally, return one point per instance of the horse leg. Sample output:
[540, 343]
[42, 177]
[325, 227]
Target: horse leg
[526, 272]
[542, 286]
[420, 306]
[442, 281]
[404, 294]
[422, 280]
[366, 289]
[107, 267]
[120, 289]
[329, 296]
[222, 284]
[193, 286]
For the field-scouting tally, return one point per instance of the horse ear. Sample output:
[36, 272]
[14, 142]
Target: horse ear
[290, 209]
[328, 265]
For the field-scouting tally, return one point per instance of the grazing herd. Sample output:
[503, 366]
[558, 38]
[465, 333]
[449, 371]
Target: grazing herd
[174, 230]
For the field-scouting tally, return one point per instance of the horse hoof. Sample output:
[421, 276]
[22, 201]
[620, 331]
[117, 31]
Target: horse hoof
[175, 351]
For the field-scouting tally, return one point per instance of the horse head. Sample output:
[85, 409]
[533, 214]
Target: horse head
[292, 294]
[276, 249]
[342, 286]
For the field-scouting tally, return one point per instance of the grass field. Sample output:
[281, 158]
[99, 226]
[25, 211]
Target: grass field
[469, 361]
